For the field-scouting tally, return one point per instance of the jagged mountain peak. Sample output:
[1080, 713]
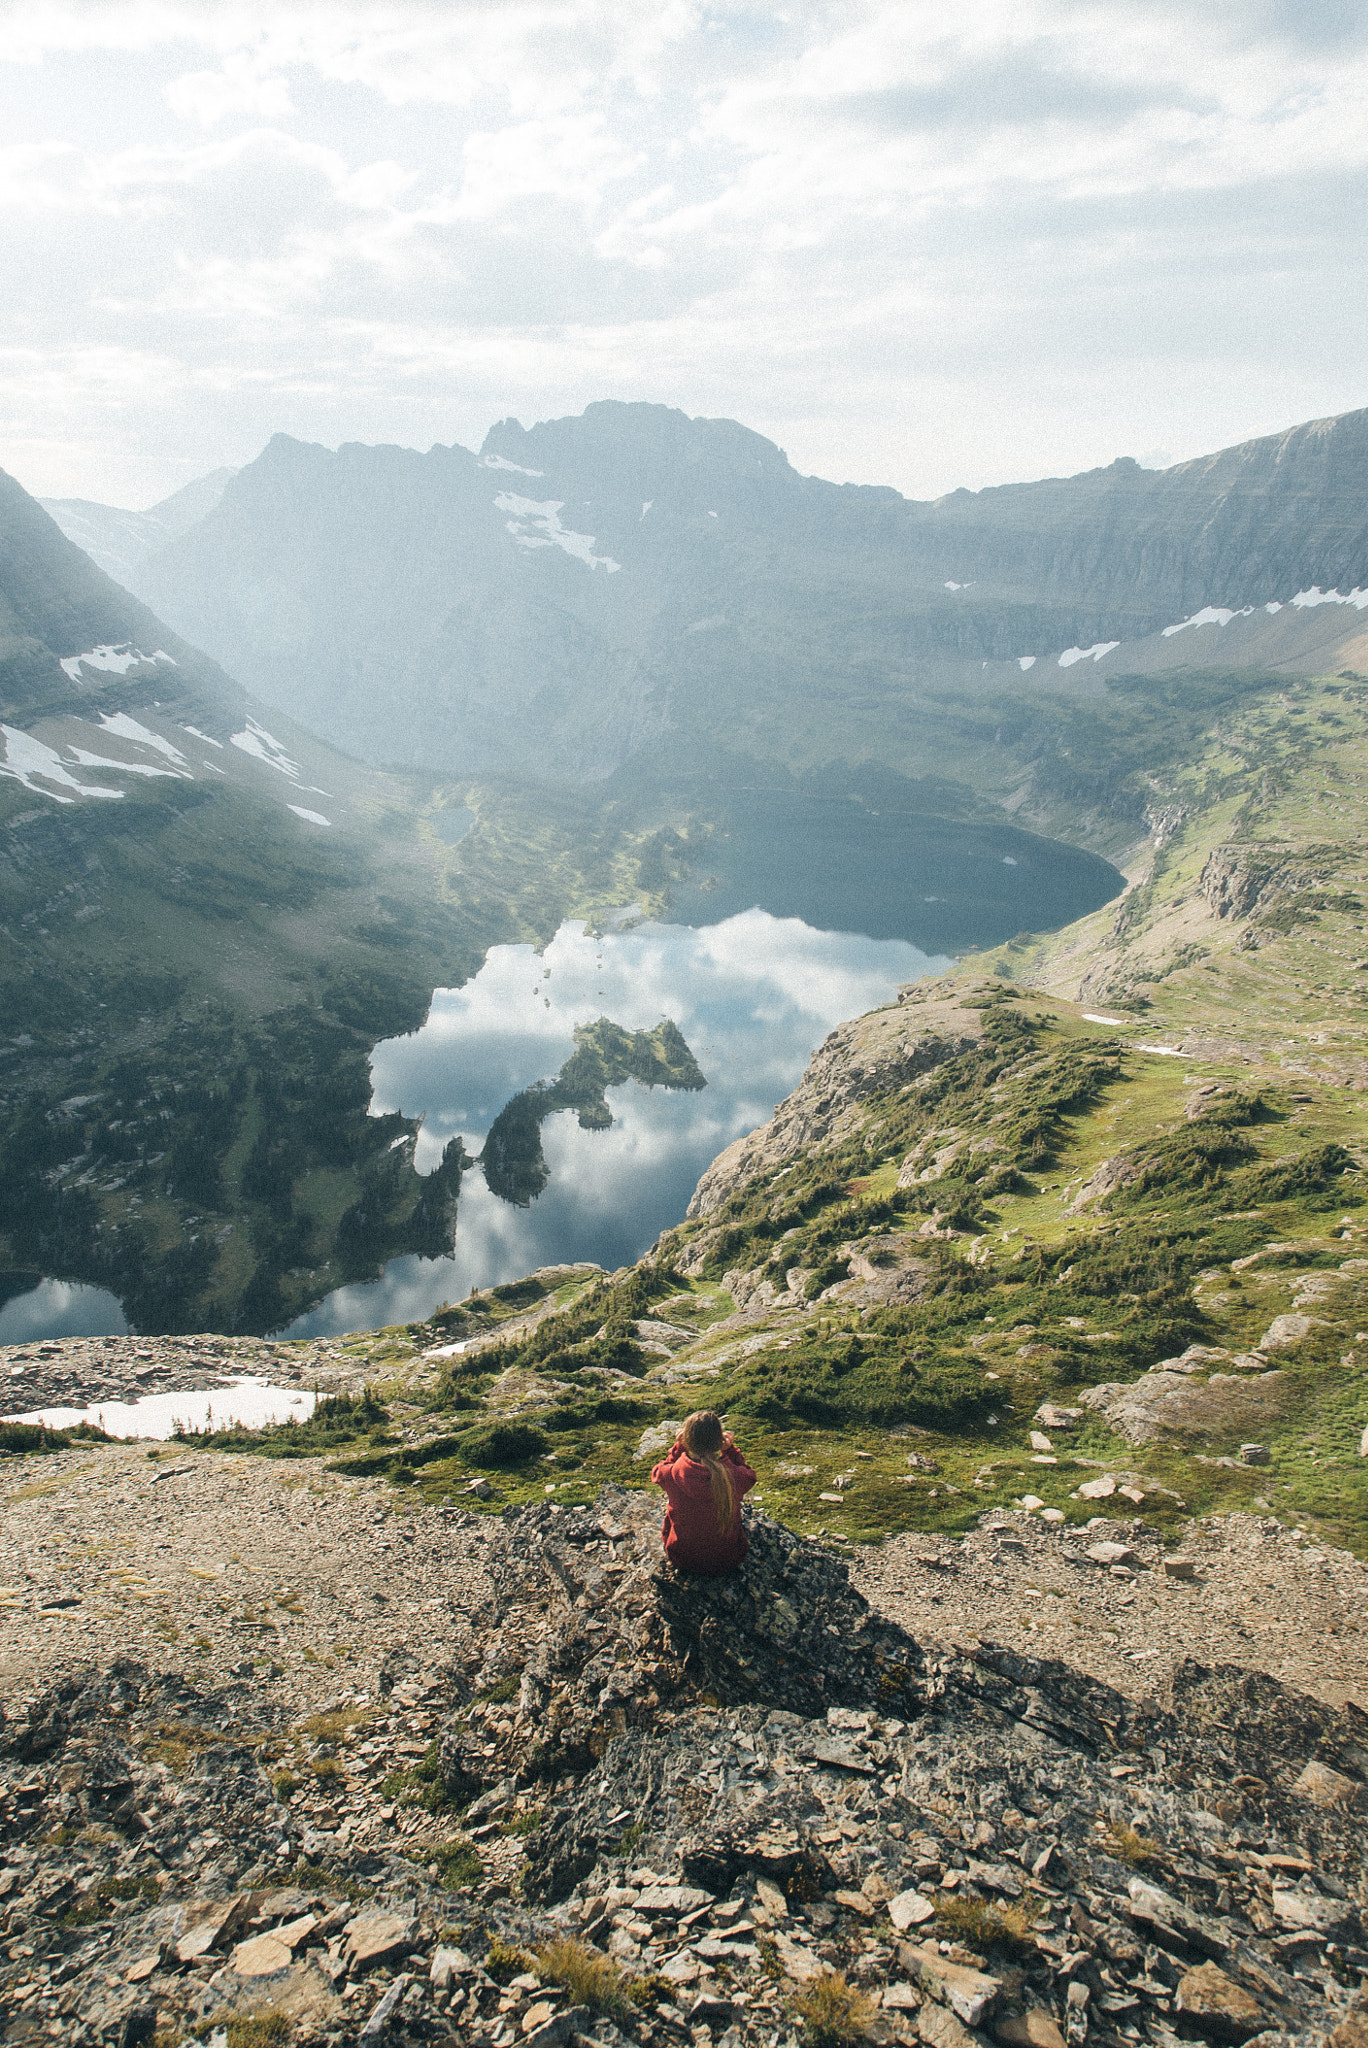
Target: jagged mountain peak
[629, 437]
[557, 601]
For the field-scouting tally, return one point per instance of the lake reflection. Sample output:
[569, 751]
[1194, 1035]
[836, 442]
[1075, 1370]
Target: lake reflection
[61, 1308]
[753, 996]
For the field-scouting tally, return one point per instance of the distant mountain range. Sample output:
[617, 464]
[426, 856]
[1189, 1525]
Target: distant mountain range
[588, 588]
[119, 542]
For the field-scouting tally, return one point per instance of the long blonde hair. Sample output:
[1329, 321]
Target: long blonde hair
[703, 1437]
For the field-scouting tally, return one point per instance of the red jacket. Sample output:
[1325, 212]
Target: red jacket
[690, 1532]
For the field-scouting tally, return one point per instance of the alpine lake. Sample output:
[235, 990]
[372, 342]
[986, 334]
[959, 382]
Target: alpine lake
[807, 920]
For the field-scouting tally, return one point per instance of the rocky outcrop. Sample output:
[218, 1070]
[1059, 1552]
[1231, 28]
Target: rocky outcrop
[1106, 1179]
[873, 1055]
[736, 1787]
[1242, 880]
[1174, 1402]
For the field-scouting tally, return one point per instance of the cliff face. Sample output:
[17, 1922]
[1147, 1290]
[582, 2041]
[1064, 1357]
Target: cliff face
[560, 600]
[1249, 525]
[875, 1055]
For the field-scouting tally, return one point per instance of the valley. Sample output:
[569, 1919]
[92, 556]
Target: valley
[949, 1065]
[989, 1200]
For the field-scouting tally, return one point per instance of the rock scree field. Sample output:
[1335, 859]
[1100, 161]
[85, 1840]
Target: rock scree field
[424, 1774]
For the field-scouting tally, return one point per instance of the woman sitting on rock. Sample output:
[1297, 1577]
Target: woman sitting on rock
[703, 1479]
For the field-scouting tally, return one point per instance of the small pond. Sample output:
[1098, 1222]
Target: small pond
[60, 1308]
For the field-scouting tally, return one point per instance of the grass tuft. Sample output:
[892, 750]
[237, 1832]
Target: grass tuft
[331, 1727]
[457, 1863]
[505, 1961]
[523, 1823]
[257, 2030]
[102, 1899]
[981, 1926]
[833, 2013]
[586, 1974]
[177, 1743]
[1128, 1845]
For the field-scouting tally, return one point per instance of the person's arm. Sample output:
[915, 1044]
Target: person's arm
[664, 1472]
[743, 1478]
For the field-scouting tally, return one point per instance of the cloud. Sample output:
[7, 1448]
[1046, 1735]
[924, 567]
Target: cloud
[915, 249]
[239, 86]
[571, 159]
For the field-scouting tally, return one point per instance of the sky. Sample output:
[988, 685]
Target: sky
[914, 245]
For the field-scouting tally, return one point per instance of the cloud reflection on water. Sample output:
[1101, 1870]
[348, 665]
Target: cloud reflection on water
[753, 996]
[61, 1308]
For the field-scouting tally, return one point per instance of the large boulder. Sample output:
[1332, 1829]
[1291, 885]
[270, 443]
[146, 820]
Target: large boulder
[1178, 1402]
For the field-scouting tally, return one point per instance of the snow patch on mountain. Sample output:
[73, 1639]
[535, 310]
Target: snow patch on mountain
[129, 729]
[502, 462]
[256, 741]
[313, 817]
[89, 760]
[116, 660]
[26, 757]
[1093, 653]
[537, 525]
[1307, 600]
[1210, 615]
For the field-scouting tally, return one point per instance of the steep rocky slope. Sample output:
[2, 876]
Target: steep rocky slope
[875, 1055]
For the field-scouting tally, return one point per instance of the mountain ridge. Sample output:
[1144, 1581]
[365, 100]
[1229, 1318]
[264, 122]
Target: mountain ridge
[117, 540]
[583, 587]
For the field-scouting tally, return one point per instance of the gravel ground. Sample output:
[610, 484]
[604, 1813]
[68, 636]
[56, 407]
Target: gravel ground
[221, 1566]
[1262, 1596]
[216, 1566]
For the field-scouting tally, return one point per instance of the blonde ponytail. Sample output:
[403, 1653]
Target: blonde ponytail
[703, 1437]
